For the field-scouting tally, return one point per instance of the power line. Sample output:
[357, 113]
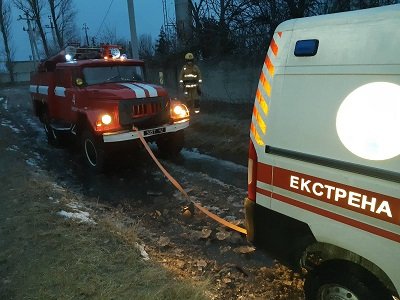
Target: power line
[101, 25]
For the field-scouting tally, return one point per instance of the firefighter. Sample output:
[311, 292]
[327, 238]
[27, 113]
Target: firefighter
[190, 80]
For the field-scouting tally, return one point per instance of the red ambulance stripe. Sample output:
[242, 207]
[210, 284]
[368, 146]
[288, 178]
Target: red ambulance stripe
[274, 47]
[264, 173]
[354, 223]
[283, 177]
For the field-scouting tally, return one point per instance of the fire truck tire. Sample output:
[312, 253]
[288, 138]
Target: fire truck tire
[336, 281]
[93, 151]
[171, 144]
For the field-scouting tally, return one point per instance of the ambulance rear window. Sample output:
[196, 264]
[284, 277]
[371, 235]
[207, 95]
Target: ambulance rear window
[306, 48]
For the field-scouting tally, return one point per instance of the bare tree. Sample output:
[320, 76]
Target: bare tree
[108, 35]
[62, 14]
[146, 46]
[214, 24]
[5, 28]
[33, 9]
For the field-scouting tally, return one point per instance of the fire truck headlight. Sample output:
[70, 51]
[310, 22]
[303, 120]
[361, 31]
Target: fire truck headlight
[179, 111]
[106, 119]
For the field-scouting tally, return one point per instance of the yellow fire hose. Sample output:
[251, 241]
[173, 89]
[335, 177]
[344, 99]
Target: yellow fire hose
[179, 187]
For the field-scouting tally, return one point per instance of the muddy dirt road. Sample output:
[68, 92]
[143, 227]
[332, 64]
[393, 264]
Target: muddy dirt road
[134, 192]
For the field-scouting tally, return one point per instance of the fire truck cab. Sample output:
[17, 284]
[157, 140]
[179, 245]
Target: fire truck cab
[99, 97]
[324, 155]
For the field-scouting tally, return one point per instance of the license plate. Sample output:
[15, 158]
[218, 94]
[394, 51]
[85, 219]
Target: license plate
[154, 131]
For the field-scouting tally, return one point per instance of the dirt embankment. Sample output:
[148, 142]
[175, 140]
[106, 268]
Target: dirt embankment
[221, 130]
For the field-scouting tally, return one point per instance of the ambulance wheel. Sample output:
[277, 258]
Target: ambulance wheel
[343, 281]
[172, 143]
[93, 151]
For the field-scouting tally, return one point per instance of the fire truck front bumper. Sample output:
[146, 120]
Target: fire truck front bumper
[112, 137]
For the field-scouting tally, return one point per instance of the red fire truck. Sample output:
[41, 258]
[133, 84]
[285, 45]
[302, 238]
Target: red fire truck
[99, 98]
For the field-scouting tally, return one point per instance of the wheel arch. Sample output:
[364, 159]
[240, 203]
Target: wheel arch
[83, 124]
[39, 108]
[325, 254]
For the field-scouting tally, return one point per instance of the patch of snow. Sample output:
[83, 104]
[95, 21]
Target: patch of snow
[74, 205]
[195, 154]
[13, 148]
[4, 102]
[214, 180]
[32, 162]
[143, 252]
[7, 124]
[34, 124]
[58, 187]
[81, 216]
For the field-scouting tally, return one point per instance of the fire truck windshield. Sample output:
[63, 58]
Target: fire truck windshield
[96, 75]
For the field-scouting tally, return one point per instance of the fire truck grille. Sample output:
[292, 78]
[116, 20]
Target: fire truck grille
[143, 113]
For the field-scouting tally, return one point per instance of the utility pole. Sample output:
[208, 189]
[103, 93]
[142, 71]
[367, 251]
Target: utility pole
[86, 29]
[132, 25]
[183, 22]
[167, 23]
[32, 38]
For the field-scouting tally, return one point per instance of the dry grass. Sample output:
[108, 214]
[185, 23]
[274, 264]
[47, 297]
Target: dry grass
[43, 256]
[60, 259]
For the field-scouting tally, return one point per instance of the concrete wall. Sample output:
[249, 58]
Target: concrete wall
[232, 80]
[22, 71]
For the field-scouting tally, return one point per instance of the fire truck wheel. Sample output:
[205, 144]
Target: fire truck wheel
[93, 151]
[171, 144]
[342, 281]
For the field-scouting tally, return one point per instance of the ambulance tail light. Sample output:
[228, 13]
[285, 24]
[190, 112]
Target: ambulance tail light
[252, 172]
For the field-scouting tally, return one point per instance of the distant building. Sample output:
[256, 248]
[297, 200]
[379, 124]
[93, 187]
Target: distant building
[22, 71]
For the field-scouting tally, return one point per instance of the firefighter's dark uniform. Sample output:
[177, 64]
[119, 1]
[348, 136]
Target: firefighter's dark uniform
[190, 80]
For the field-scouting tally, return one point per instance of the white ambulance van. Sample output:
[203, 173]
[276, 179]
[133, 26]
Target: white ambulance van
[324, 155]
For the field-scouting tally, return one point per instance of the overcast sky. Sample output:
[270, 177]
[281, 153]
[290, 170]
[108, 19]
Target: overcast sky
[149, 19]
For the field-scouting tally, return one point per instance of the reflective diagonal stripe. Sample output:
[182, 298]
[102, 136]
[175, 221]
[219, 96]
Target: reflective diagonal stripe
[259, 125]
[274, 47]
[140, 93]
[270, 66]
[259, 120]
[59, 91]
[152, 91]
[256, 135]
[263, 104]
[265, 84]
